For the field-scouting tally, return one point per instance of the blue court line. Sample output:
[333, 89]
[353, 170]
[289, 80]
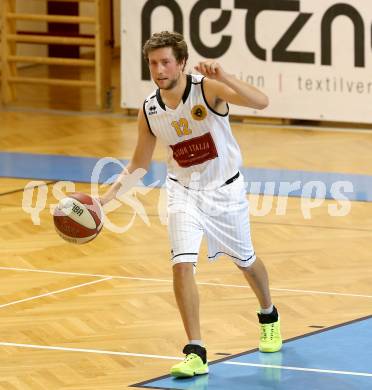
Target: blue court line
[342, 348]
[259, 180]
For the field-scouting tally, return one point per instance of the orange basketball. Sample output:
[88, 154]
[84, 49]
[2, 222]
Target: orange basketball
[78, 218]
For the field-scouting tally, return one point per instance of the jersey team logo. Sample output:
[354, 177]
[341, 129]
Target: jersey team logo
[152, 110]
[199, 112]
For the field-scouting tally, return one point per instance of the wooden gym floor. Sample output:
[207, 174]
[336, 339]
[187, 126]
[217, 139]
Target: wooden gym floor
[94, 316]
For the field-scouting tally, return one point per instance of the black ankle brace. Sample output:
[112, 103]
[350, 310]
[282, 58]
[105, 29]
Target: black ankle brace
[268, 318]
[197, 349]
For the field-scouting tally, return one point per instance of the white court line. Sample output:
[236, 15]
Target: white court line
[103, 352]
[84, 274]
[322, 292]
[98, 351]
[54, 292]
[302, 369]
[170, 281]
[290, 290]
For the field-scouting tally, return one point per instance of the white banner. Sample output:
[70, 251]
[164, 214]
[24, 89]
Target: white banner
[311, 57]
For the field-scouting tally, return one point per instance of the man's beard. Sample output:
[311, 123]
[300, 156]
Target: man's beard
[171, 85]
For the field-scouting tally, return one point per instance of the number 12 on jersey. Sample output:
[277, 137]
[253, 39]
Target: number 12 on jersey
[181, 127]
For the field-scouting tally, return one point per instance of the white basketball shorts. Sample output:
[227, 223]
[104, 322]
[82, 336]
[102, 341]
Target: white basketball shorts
[222, 215]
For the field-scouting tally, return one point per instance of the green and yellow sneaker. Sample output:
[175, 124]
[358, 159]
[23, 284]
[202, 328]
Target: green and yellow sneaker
[195, 362]
[270, 337]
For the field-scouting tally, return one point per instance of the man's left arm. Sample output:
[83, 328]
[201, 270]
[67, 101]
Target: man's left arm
[220, 85]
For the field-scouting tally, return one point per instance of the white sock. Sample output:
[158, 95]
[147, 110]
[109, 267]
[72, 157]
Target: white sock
[197, 342]
[269, 310]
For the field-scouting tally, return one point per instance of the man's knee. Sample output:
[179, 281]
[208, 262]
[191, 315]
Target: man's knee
[181, 269]
[251, 267]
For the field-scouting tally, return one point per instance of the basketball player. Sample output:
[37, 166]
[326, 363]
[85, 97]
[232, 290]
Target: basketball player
[189, 114]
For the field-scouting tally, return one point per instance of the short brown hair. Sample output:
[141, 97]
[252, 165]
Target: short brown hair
[167, 39]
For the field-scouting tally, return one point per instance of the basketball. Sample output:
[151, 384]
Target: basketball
[78, 218]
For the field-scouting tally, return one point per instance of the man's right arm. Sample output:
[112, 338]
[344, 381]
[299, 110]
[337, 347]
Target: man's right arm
[141, 158]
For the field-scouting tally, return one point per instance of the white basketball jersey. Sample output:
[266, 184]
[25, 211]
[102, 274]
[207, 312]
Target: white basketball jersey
[202, 151]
